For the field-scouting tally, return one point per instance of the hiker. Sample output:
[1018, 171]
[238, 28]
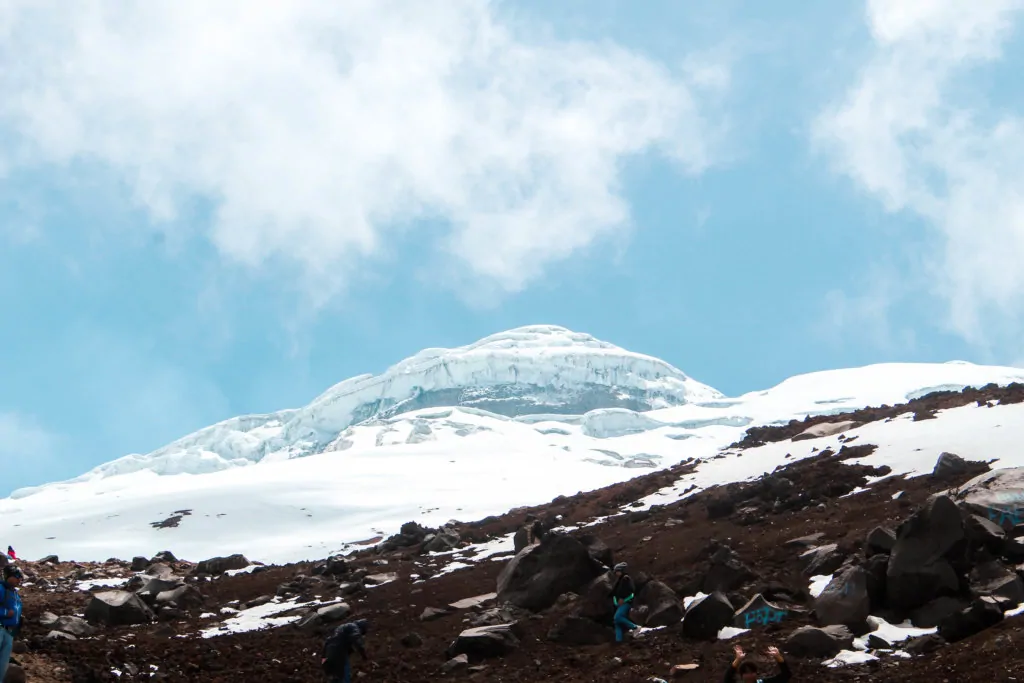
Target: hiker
[622, 598]
[10, 615]
[748, 670]
[338, 650]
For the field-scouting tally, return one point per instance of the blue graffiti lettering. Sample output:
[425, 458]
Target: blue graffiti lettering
[763, 616]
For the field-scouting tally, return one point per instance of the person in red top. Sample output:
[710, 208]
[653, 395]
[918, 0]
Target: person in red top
[747, 671]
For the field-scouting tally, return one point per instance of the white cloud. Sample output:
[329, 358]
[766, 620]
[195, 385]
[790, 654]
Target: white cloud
[914, 135]
[321, 131]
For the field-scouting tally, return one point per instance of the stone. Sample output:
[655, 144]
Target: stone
[810, 641]
[333, 613]
[165, 556]
[726, 573]
[475, 601]
[805, 541]
[845, 600]
[216, 566]
[663, 605]
[155, 587]
[598, 550]
[444, 540]
[880, 541]
[918, 569]
[185, 597]
[139, 564]
[980, 615]
[996, 580]
[15, 674]
[486, 641]
[923, 645]
[929, 615]
[758, 612]
[595, 599]
[876, 568]
[878, 643]
[432, 613]
[411, 640]
[997, 496]
[456, 663]
[60, 635]
[48, 619]
[949, 465]
[75, 626]
[707, 616]
[822, 560]
[538, 574]
[50, 559]
[572, 630]
[985, 533]
[118, 608]
[160, 570]
[825, 429]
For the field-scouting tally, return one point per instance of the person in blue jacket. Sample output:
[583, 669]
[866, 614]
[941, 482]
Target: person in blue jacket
[622, 598]
[10, 615]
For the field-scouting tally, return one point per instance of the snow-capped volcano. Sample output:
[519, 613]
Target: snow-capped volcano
[514, 419]
[540, 369]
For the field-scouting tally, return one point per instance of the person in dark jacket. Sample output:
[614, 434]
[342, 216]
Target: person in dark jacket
[10, 614]
[748, 673]
[338, 650]
[622, 598]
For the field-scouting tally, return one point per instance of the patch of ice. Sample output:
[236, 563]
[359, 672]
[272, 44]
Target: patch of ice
[730, 632]
[244, 570]
[818, 584]
[896, 633]
[849, 658]
[256, 618]
[100, 583]
[692, 599]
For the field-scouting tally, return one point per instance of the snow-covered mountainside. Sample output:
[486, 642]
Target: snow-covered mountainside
[515, 419]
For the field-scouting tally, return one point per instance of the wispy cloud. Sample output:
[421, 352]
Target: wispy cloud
[321, 132]
[910, 134]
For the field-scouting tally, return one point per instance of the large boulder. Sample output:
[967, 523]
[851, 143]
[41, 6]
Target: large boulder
[572, 630]
[595, 601]
[931, 614]
[185, 597]
[707, 616]
[758, 612]
[919, 569]
[997, 496]
[598, 549]
[486, 641]
[822, 560]
[663, 605]
[726, 573]
[216, 566]
[880, 541]
[15, 674]
[982, 613]
[538, 574]
[809, 641]
[845, 600]
[75, 626]
[155, 587]
[118, 608]
[444, 540]
[949, 465]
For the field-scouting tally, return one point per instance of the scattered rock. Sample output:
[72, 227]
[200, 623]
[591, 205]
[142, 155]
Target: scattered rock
[538, 574]
[118, 608]
[822, 560]
[880, 541]
[726, 573]
[486, 641]
[949, 465]
[980, 615]
[432, 613]
[139, 564]
[411, 640]
[75, 626]
[810, 641]
[333, 613]
[845, 600]
[707, 616]
[923, 645]
[805, 541]
[216, 566]
[456, 663]
[931, 614]
[663, 605]
[996, 580]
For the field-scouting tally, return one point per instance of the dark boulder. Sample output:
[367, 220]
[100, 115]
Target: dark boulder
[822, 560]
[707, 616]
[809, 641]
[880, 541]
[919, 569]
[118, 608]
[876, 568]
[996, 580]
[980, 615]
[931, 614]
[595, 601]
[663, 606]
[923, 645]
[165, 556]
[949, 465]
[598, 549]
[219, 565]
[486, 641]
[845, 600]
[139, 564]
[538, 574]
[726, 573]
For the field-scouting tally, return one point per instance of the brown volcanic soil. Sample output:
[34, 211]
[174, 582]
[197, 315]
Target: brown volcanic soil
[669, 543]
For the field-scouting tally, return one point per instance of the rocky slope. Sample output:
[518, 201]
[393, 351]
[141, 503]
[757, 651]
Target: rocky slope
[838, 541]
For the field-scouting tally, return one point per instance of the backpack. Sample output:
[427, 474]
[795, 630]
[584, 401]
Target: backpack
[337, 648]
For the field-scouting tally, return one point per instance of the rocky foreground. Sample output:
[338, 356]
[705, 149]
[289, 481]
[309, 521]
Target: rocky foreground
[818, 558]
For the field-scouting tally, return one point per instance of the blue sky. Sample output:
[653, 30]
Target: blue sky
[208, 211]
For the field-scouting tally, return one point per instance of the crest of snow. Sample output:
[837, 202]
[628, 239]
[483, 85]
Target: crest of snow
[90, 584]
[687, 601]
[818, 584]
[890, 633]
[256, 618]
[244, 570]
[1019, 609]
[849, 658]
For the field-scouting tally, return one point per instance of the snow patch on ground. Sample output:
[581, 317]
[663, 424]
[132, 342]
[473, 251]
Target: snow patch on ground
[256, 618]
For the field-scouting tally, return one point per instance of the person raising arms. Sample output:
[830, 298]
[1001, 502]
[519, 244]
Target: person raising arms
[747, 671]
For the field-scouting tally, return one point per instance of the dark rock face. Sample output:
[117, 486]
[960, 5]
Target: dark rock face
[919, 569]
[662, 604]
[994, 579]
[707, 616]
[538, 574]
[822, 560]
[880, 541]
[727, 572]
[929, 615]
[980, 615]
[598, 550]
[949, 465]
[118, 608]
[845, 601]
[809, 641]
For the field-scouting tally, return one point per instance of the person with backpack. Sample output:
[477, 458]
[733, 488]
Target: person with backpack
[622, 598]
[338, 650]
[10, 615]
[747, 671]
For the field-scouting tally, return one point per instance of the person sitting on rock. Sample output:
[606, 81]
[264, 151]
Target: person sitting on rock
[622, 598]
[10, 615]
[338, 650]
[748, 670]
